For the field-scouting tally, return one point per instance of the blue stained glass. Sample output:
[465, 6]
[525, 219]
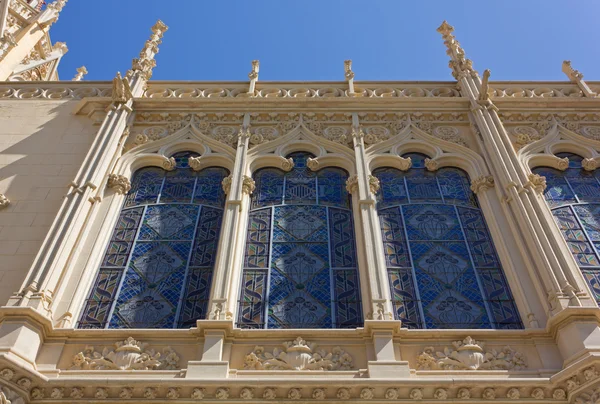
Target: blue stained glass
[573, 196]
[300, 260]
[164, 252]
[442, 266]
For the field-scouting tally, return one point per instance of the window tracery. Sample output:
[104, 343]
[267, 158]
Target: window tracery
[573, 195]
[300, 266]
[443, 269]
[157, 269]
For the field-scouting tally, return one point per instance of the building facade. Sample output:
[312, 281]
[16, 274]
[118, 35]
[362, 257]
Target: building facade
[330, 241]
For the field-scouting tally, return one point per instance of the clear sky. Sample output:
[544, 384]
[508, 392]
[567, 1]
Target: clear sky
[308, 40]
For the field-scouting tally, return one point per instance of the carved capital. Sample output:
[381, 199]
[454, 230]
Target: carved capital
[226, 184]
[431, 165]
[374, 184]
[119, 183]
[482, 184]
[248, 185]
[4, 201]
[537, 182]
[587, 164]
[352, 184]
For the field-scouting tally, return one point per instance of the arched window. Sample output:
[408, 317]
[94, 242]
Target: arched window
[574, 197]
[442, 266]
[157, 269]
[300, 264]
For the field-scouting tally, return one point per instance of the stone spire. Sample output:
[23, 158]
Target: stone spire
[145, 63]
[459, 64]
[50, 15]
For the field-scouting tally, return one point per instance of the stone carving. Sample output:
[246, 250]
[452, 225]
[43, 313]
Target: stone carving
[197, 394]
[352, 184]
[172, 393]
[145, 63]
[336, 134]
[562, 164]
[513, 393]
[57, 393]
[37, 393]
[194, 163]
[376, 134]
[538, 394]
[343, 393]
[7, 374]
[312, 164]
[449, 134]
[374, 184]
[405, 163]
[248, 185]
[537, 182]
[288, 164]
[416, 394]
[319, 394]
[169, 164]
[127, 355]
[222, 393]
[119, 183]
[431, 165]
[247, 393]
[440, 394]
[81, 71]
[121, 91]
[101, 393]
[482, 184]
[76, 393]
[4, 201]
[295, 394]
[587, 164]
[525, 135]
[391, 394]
[270, 393]
[150, 392]
[367, 393]
[126, 393]
[489, 394]
[572, 383]
[559, 394]
[590, 374]
[469, 354]
[463, 393]
[226, 184]
[24, 383]
[591, 132]
[298, 355]
[589, 398]
[262, 134]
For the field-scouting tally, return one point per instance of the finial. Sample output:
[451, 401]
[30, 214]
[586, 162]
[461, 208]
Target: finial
[50, 15]
[349, 75]
[576, 76]
[81, 71]
[460, 65]
[445, 28]
[253, 76]
[145, 63]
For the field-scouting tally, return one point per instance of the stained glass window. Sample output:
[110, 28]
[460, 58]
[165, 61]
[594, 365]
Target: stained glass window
[443, 269]
[157, 269]
[300, 266]
[574, 197]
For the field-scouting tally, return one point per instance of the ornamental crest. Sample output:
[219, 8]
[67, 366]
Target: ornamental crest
[298, 355]
[469, 354]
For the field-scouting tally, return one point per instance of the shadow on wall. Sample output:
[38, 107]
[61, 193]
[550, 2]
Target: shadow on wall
[42, 146]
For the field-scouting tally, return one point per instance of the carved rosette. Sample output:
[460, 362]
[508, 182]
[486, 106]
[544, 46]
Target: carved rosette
[312, 164]
[587, 164]
[4, 201]
[591, 132]
[524, 136]
[194, 163]
[431, 165]
[298, 355]
[352, 184]
[248, 185]
[537, 182]
[482, 184]
[469, 354]
[288, 164]
[226, 183]
[449, 134]
[127, 355]
[169, 164]
[119, 183]
[562, 164]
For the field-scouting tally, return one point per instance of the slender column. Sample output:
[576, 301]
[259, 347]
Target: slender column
[363, 187]
[78, 208]
[519, 191]
[3, 15]
[236, 186]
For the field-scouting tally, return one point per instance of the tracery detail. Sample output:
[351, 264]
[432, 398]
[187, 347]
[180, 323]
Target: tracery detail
[300, 266]
[443, 268]
[157, 269]
[574, 198]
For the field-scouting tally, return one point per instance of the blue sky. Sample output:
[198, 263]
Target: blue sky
[308, 40]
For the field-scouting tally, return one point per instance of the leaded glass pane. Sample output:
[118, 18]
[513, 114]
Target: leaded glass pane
[392, 188]
[442, 266]
[300, 262]
[163, 252]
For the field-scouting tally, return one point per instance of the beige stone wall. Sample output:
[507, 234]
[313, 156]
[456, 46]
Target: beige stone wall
[42, 145]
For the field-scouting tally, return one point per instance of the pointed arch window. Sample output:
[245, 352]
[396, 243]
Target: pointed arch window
[157, 269]
[442, 265]
[300, 266]
[574, 198]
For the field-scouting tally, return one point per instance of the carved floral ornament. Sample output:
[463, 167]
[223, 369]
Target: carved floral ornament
[119, 183]
[298, 355]
[4, 201]
[482, 184]
[469, 354]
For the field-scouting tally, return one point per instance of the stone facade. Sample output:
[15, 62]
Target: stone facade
[68, 153]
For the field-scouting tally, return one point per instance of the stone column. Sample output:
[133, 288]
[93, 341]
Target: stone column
[558, 273]
[238, 187]
[51, 265]
[363, 186]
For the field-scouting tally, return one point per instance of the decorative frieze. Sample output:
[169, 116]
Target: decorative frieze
[450, 134]
[469, 354]
[127, 355]
[119, 183]
[298, 355]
